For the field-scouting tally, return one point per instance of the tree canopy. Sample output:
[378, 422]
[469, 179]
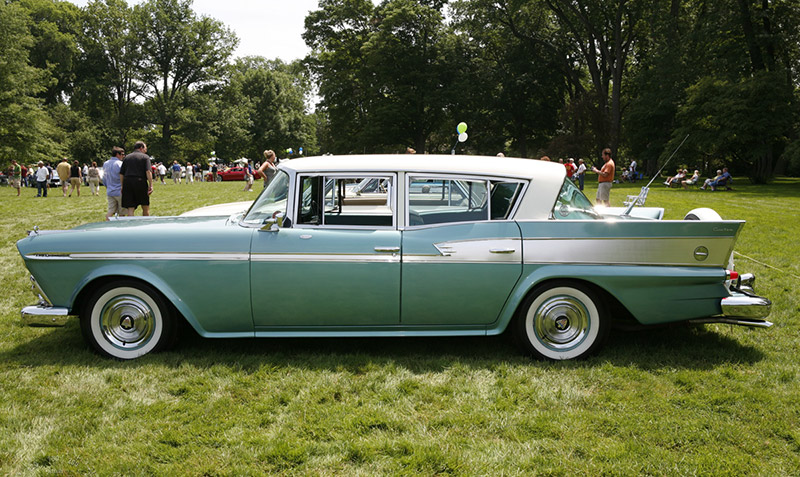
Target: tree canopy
[565, 78]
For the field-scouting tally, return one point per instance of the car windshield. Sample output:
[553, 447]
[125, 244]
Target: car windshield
[573, 205]
[270, 202]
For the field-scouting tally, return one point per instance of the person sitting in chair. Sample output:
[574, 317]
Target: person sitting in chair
[677, 178]
[692, 181]
[723, 180]
[711, 179]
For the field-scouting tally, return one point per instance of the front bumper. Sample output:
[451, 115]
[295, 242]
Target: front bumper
[40, 315]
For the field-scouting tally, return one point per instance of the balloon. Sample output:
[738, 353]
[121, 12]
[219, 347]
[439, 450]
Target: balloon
[300, 151]
[462, 137]
[289, 150]
[461, 128]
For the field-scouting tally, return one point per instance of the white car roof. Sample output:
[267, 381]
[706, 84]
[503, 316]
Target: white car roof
[544, 178]
[466, 165]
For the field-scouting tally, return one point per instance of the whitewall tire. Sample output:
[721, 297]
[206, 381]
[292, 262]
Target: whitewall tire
[561, 320]
[127, 319]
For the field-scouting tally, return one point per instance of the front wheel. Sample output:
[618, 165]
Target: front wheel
[127, 319]
[561, 320]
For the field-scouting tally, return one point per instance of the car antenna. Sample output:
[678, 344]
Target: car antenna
[657, 174]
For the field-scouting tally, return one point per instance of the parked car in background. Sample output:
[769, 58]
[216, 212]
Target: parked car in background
[230, 174]
[394, 246]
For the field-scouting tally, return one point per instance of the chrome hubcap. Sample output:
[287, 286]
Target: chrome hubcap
[561, 322]
[127, 321]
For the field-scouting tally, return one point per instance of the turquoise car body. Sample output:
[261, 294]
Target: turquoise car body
[245, 276]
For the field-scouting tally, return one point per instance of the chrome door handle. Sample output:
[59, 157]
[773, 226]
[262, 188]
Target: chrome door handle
[502, 250]
[387, 249]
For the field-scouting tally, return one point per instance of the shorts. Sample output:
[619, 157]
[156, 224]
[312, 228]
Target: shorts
[75, 181]
[15, 182]
[604, 191]
[134, 192]
[115, 205]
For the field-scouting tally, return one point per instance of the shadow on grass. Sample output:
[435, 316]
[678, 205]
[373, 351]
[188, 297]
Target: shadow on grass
[677, 346]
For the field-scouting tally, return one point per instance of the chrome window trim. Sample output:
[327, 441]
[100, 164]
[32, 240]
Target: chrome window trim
[410, 175]
[295, 206]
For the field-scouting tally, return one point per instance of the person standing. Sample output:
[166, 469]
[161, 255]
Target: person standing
[111, 179]
[62, 169]
[605, 177]
[632, 174]
[137, 179]
[214, 170]
[268, 169]
[94, 178]
[75, 177]
[248, 177]
[24, 176]
[42, 176]
[189, 173]
[581, 173]
[15, 175]
[176, 172]
[570, 166]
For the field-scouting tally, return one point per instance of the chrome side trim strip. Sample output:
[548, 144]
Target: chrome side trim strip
[204, 256]
[320, 257]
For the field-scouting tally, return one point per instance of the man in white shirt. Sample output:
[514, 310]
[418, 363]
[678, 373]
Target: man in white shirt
[581, 173]
[42, 175]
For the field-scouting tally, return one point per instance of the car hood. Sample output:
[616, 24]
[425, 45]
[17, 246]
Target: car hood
[152, 234]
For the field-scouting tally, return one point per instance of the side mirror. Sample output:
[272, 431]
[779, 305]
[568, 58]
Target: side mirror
[274, 223]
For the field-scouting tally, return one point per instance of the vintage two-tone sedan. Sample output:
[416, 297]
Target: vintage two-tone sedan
[355, 246]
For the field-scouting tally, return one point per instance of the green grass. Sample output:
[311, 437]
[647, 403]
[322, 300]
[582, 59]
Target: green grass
[682, 400]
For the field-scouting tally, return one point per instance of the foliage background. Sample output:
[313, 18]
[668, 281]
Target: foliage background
[681, 400]
[563, 78]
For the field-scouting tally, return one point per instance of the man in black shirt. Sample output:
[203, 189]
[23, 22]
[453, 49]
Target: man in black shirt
[137, 179]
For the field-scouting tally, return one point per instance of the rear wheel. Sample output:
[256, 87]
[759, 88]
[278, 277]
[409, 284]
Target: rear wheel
[126, 319]
[561, 320]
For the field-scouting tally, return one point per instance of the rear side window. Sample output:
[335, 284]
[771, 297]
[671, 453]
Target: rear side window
[437, 200]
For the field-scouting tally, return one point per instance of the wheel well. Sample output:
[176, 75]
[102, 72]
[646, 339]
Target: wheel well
[617, 312]
[86, 292]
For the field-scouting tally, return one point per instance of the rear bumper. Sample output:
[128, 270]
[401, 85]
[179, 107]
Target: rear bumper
[742, 310]
[38, 315]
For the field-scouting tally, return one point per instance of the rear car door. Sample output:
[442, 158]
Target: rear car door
[462, 255]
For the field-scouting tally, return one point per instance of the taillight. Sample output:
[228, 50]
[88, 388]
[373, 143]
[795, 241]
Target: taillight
[731, 275]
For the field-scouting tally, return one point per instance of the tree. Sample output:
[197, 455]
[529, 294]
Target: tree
[179, 51]
[511, 87]
[107, 83]
[26, 131]
[55, 26]
[336, 32]
[412, 61]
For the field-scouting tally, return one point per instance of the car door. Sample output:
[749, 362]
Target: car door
[337, 266]
[459, 265]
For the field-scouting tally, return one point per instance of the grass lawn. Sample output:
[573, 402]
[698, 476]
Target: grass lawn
[683, 400]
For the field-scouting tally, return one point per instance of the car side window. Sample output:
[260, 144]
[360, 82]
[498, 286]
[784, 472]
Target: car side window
[504, 196]
[348, 201]
[436, 200]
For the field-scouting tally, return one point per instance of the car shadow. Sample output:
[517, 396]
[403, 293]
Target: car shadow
[674, 347]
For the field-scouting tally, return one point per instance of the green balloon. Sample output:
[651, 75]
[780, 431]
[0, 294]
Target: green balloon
[462, 127]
